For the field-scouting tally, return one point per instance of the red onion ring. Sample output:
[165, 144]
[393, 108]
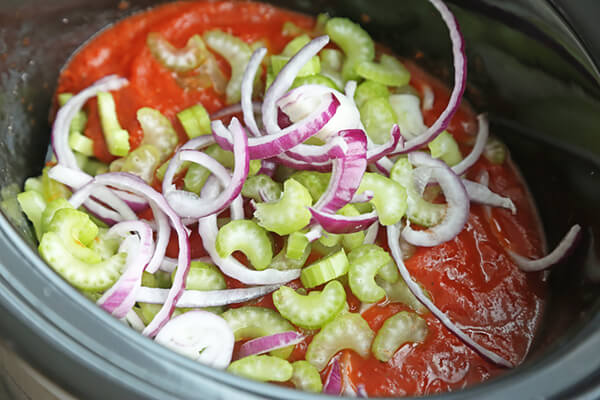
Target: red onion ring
[481, 194]
[334, 223]
[246, 90]
[169, 264]
[163, 234]
[193, 144]
[482, 136]
[266, 344]
[333, 382]
[371, 234]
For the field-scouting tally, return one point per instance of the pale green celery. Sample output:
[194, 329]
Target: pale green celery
[51, 189]
[315, 79]
[253, 167]
[351, 241]
[203, 276]
[79, 120]
[224, 157]
[399, 292]
[310, 68]
[325, 270]
[330, 239]
[270, 77]
[288, 214]
[291, 29]
[81, 143]
[378, 118]
[407, 108]
[142, 162]
[48, 213]
[117, 138]
[495, 151]
[295, 45]
[104, 245]
[370, 90]
[361, 274]
[332, 62]
[322, 19]
[445, 148]
[80, 159]
[262, 368]
[33, 205]
[116, 165]
[248, 237]
[160, 172]
[178, 60]
[355, 42]
[315, 182]
[389, 197]
[71, 229]
[158, 131]
[324, 250]
[388, 71]
[306, 377]
[401, 328]
[346, 331]
[159, 279]
[388, 272]
[262, 182]
[313, 310]
[195, 121]
[283, 263]
[249, 322]
[195, 178]
[418, 210]
[296, 245]
[95, 167]
[34, 184]
[237, 53]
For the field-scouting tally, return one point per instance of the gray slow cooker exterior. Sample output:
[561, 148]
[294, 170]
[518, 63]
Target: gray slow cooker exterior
[531, 66]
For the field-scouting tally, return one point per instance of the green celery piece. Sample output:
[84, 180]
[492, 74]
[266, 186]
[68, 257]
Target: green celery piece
[283, 263]
[331, 60]
[34, 184]
[249, 322]
[158, 131]
[51, 189]
[79, 120]
[315, 79]
[117, 138]
[370, 90]
[249, 238]
[48, 213]
[306, 377]
[203, 276]
[355, 42]
[224, 157]
[315, 182]
[330, 239]
[418, 210]
[361, 275]
[253, 184]
[237, 53]
[70, 229]
[346, 331]
[378, 118]
[288, 214]
[351, 241]
[495, 151]
[388, 71]
[296, 245]
[407, 108]
[399, 292]
[389, 197]
[388, 272]
[33, 205]
[142, 162]
[95, 167]
[325, 270]
[313, 310]
[403, 327]
[291, 29]
[159, 279]
[312, 67]
[81, 143]
[195, 121]
[322, 19]
[295, 45]
[445, 148]
[195, 178]
[253, 167]
[262, 368]
[179, 60]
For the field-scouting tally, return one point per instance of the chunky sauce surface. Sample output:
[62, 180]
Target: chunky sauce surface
[471, 278]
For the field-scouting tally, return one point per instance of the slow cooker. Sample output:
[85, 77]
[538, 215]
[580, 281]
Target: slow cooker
[533, 65]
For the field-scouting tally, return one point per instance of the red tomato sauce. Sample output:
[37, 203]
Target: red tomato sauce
[470, 278]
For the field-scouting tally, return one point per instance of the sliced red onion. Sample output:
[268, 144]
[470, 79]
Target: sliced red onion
[481, 194]
[314, 233]
[363, 197]
[315, 154]
[189, 204]
[169, 264]
[284, 80]
[193, 144]
[267, 168]
[377, 152]
[334, 223]
[457, 199]
[266, 344]
[333, 382]
[347, 171]
[129, 182]
[384, 165]
[163, 234]
[482, 136]
[120, 298]
[303, 165]
[201, 298]
[371, 234]
[350, 90]
[274, 144]
[361, 391]
[246, 90]
[62, 122]
[393, 234]
[234, 109]
[200, 335]
[559, 253]
[428, 97]
[460, 79]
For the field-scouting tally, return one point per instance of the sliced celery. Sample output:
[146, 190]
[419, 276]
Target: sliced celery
[117, 139]
[445, 148]
[361, 275]
[311, 68]
[370, 90]
[288, 214]
[495, 151]
[262, 368]
[254, 185]
[178, 60]
[316, 79]
[79, 120]
[401, 328]
[306, 377]
[354, 41]
[407, 108]
[347, 331]
[296, 245]
[34, 184]
[313, 310]
[158, 131]
[142, 162]
[203, 276]
[351, 241]
[389, 197]
[389, 71]
[378, 118]
[291, 29]
[283, 263]
[331, 60]
[250, 322]
[237, 53]
[325, 270]
[315, 182]
[33, 204]
[330, 239]
[399, 292]
[195, 178]
[418, 209]
[95, 167]
[248, 237]
[195, 121]
[51, 189]
[51, 208]
[81, 143]
[388, 272]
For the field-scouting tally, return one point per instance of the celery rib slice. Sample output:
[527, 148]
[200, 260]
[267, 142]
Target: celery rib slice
[325, 270]
[117, 138]
[262, 368]
[403, 327]
[355, 42]
[306, 377]
[288, 214]
[249, 238]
